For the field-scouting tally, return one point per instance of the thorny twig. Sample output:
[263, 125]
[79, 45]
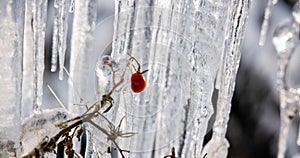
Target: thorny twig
[113, 134]
[48, 145]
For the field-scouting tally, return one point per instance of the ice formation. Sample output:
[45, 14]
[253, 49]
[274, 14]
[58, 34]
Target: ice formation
[217, 147]
[172, 44]
[38, 24]
[285, 41]
[11, 46]
[83, 25]
[184, 45]
[265, 24]
[60, 32]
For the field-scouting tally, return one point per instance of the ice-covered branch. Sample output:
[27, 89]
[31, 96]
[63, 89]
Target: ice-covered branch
[266, 21]
[285, 41]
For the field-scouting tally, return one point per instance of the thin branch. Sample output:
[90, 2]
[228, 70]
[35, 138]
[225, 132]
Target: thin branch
[76, 90]
[48, 145]
[56, 97]
[98, 127]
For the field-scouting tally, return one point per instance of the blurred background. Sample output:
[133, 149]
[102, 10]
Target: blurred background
[254, 123]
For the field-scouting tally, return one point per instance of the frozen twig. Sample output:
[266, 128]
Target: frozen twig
[48, 145]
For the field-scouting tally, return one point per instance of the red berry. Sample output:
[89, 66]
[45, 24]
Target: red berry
[138, 82]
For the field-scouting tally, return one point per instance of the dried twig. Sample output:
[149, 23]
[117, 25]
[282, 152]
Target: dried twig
[48, 145]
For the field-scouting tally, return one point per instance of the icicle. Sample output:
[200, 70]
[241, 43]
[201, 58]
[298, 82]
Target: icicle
[187, 48]
[80, 57]
[39, 22]
[28, 62]
[83, 25]
[217, 147]
[60, 31]
[11, 33]
[63, 31]
[265, 24]
[55, 36]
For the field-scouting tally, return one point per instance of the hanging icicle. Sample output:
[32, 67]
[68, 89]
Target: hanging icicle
[55, 36]
[63, 30]
[217, 147]
[38, 26]
[265, 24]
[83, 26]
[60, 32]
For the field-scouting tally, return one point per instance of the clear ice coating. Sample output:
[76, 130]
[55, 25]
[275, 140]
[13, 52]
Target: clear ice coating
[285, 41]
[180, 44]
[112, 77]
[164, 115]
[183, 45]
